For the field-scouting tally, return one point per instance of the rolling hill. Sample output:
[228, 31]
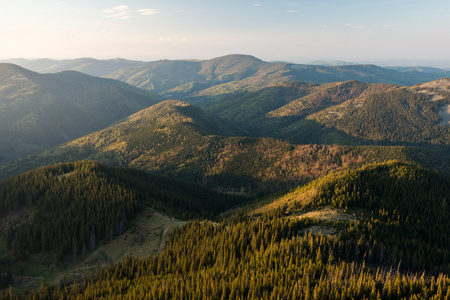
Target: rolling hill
[89, 66]
[38, 111]
[406, 200]
[414, 115]
[344, 113]
[197, 81]
[67, 208]
[386, 242]
[265, 111]
[177, 139]
[181, 77]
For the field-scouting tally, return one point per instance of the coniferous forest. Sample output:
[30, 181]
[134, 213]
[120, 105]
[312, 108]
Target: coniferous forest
[396, 247]
[250, 186]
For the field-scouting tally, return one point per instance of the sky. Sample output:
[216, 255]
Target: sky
[283, 30]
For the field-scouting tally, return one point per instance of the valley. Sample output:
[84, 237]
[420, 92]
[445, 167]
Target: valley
[227, 178]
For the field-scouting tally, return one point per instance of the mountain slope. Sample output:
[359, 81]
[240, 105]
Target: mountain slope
[90, 66]
[38, 111]
[265, 111]
[181, 76]
[380, 253]
[72, 205]
[346, 113]
[196, 80]
[177, 139]
[401, 115]
[405, 200]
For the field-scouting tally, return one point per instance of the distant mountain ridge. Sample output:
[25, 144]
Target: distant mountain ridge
[187, 79]
[192, 80]
[41, 110]
[90, 66]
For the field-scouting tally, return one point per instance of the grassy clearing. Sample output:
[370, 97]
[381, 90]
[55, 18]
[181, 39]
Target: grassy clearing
[146, 236]
[329, 213]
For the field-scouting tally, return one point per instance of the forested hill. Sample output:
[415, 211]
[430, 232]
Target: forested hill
[268, 110]
[401, 207]
[377, 248]
[179, 140]
[182, 77]
[193, 79]
[416, 115]
[42, 110]
[68, 207]
[90, 66]
[344, 113]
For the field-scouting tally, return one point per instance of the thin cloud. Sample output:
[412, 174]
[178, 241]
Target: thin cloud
[290, 11]
[359, 26]
[122, 8]
[148, 12]
[126, 12]
[387, 26]
[256, 5]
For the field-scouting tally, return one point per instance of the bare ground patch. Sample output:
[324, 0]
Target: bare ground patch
[327, 213]
[445, 115]
[146, 236]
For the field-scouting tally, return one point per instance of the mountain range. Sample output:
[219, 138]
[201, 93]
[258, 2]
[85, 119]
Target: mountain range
[310, 181]
[185, 79]
[42, 110]
[177, 139]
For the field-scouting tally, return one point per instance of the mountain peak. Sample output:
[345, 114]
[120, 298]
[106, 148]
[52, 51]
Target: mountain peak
[173, 112]
[8, 69]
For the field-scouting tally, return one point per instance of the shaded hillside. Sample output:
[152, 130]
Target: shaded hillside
[181, 77]
[198, 80]
[266, 111]
[382, 253]
[344, 113]
[249, 109]
[90, 66]
[179, 140]
[68, 207]
[38, 111]
[365, 73]
[400, 115]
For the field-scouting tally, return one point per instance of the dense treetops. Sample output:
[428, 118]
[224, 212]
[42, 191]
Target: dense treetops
[267, 110]
[177, 139]
[396, 116]
[407, 206]
[392, 251]
[73, 205]
[346, 113]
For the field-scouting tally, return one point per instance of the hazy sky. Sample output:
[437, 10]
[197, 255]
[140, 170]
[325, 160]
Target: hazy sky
[288, 30]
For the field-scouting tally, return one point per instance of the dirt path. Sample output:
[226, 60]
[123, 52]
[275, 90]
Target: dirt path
[164, 237]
